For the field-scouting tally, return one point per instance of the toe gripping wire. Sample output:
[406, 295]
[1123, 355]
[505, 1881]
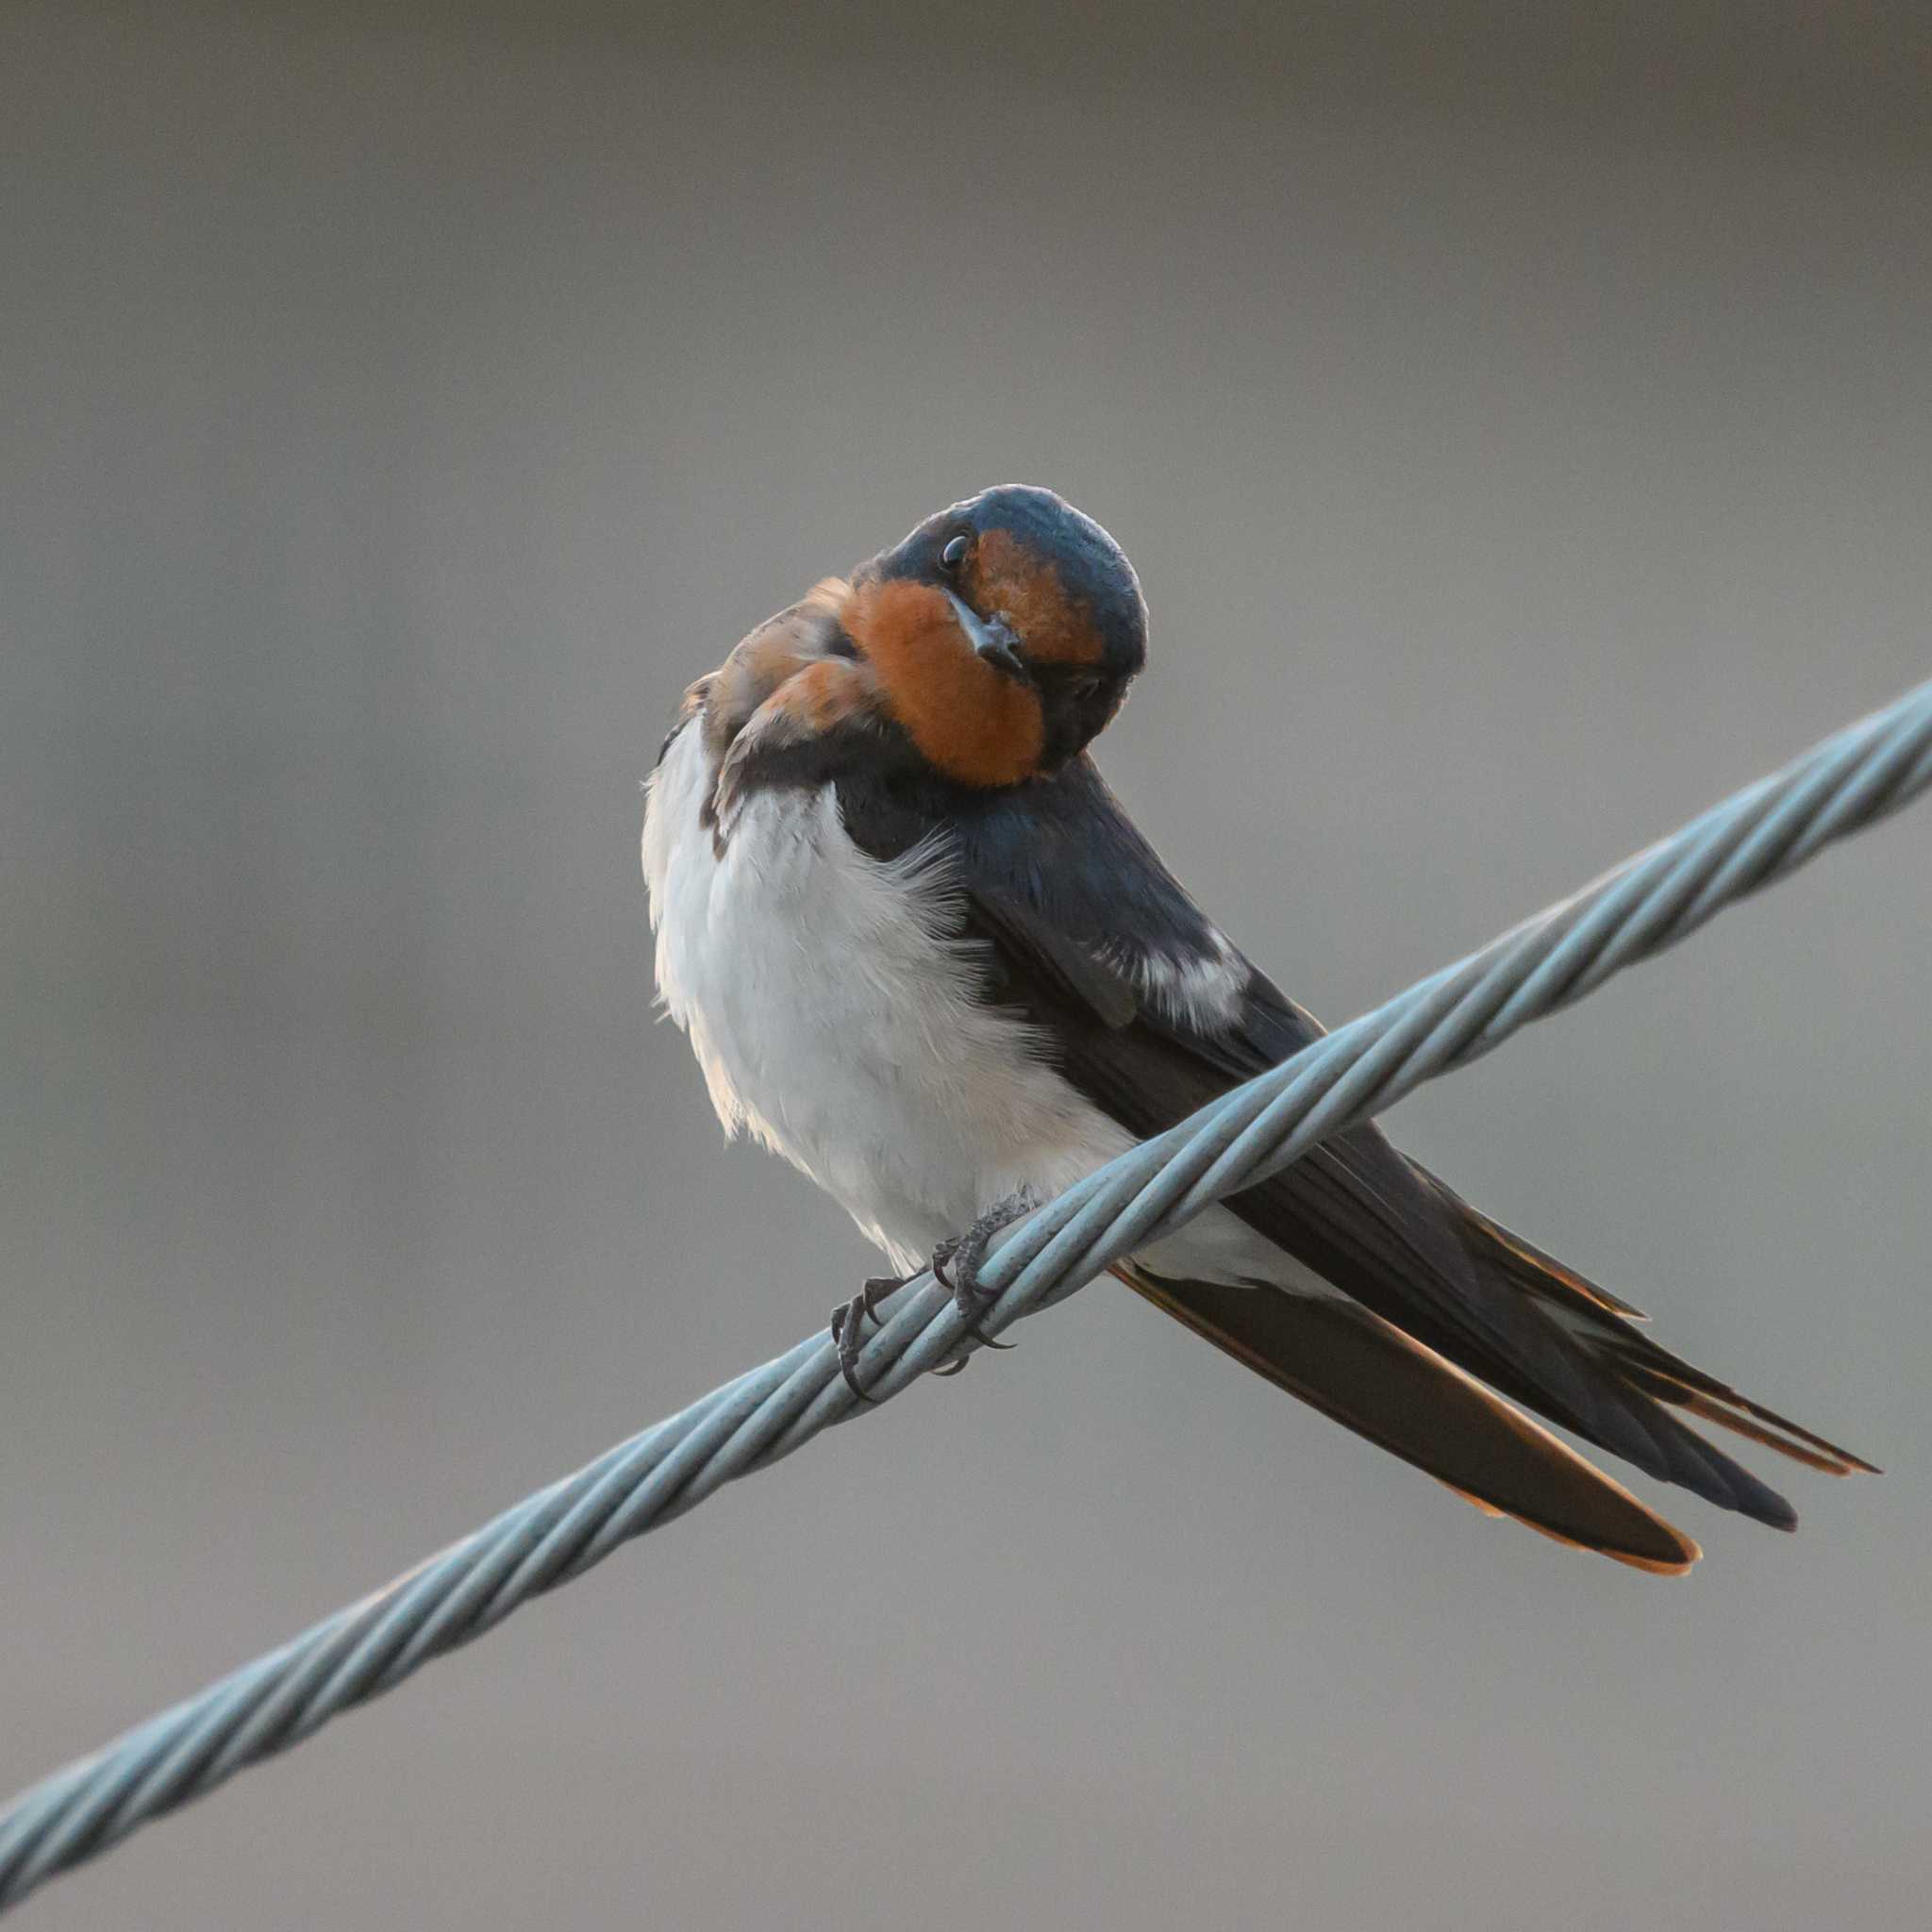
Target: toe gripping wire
[1455, 1016]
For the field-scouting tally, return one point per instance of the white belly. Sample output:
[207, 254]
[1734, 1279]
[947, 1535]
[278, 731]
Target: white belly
[835, 1022]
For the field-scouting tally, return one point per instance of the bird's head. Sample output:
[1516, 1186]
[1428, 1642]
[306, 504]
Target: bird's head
[1002, 633]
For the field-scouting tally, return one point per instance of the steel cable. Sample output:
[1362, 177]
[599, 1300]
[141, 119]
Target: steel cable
[1455, 1016]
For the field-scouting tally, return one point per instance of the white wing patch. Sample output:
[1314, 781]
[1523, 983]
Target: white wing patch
[1204, 992]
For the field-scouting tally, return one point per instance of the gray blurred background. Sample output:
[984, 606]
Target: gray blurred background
[1523, 427]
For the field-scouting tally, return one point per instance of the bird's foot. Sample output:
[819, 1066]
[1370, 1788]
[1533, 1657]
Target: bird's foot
[956, 1265]
[848, 1325]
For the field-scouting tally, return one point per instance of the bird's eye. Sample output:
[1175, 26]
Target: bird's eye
[1083, 686]
[954, 554]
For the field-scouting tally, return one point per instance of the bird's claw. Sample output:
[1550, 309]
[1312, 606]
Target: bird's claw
[848, 1326]
[955, 1267]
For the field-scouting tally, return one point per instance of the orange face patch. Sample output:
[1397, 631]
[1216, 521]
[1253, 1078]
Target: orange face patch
[968, 718]
[1005, 579]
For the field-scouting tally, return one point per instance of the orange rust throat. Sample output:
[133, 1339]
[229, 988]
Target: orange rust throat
[968, 719]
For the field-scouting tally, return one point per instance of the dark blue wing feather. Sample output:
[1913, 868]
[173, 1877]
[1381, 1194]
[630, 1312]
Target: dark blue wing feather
[1070, 905]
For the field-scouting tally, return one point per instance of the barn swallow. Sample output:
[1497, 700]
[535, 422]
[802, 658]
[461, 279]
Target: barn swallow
[922, 952]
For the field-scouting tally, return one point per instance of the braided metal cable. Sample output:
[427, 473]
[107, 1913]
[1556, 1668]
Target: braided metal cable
[1764, 832]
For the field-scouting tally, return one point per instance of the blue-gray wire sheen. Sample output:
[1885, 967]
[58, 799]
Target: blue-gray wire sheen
[1653, 899]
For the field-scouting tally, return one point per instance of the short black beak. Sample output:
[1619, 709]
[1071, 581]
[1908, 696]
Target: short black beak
[1004, 649]
[993, 637]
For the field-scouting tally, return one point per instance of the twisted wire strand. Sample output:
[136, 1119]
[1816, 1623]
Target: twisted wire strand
[1452, 1017]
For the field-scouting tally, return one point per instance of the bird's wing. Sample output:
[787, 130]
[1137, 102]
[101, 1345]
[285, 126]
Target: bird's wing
[1150, 1012]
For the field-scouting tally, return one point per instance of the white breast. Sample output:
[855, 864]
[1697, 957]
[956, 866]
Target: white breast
[836, 1023]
